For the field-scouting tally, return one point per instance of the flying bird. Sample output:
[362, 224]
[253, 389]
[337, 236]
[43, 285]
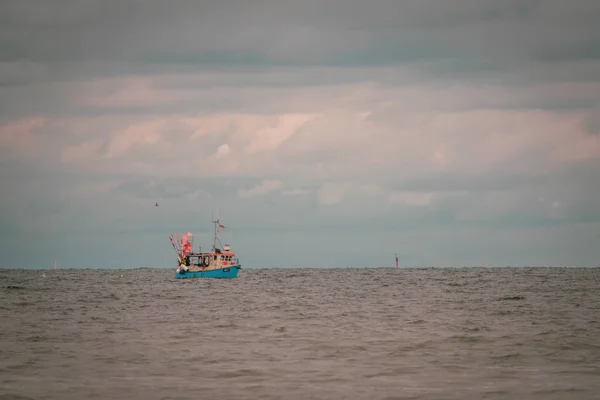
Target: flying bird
[156, 204]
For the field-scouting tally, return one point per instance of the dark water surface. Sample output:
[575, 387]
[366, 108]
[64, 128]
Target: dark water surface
[531, 333]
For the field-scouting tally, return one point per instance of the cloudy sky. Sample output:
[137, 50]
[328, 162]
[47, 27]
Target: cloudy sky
[326, 133]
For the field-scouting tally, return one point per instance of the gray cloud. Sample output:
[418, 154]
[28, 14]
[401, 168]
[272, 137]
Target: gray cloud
[129, 35]
[48, 50]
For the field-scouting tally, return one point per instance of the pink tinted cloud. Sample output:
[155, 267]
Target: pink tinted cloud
[20, 134]
[347, 144]
[81, 153]
[133, 91]
[354, 131]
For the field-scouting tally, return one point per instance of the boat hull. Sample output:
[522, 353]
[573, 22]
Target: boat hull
[221, 273]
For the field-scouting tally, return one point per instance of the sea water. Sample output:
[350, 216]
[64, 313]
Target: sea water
[381, 333]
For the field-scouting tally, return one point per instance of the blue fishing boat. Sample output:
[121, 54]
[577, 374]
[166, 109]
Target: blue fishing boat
[220, 262]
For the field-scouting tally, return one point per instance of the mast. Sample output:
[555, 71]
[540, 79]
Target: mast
[218, 226]
[215, 221]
